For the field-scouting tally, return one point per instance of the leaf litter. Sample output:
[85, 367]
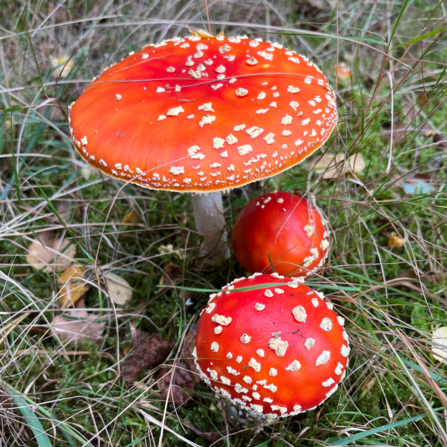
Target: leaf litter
[77, 325]
[50, 254]
[148, 351]
[174, 379]
[120, 291]
[177, 378]
[330, 166]
[72, 285]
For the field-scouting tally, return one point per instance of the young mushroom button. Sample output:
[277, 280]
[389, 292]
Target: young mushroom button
[280, 354]
[203, 116]
[282, 229]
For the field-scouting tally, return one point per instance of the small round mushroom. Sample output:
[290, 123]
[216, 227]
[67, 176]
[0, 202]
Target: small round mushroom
[203, 116]
[277, 350]
[284, 227]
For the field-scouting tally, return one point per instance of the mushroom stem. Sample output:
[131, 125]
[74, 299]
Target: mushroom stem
[210, 222]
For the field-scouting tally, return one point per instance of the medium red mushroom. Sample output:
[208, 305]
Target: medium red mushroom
[284, 227]
[204, 115]
[277, 350]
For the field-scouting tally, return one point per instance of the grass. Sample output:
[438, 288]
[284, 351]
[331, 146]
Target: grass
[393, 112]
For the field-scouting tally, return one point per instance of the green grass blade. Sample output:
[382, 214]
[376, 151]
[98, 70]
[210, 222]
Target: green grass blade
[260, 286]
[33, 422]
[66, 430]
[418, 368]
[401, 13]
[351, 439]
[422, 37]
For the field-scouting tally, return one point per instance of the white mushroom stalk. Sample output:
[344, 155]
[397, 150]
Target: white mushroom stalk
[210, 223]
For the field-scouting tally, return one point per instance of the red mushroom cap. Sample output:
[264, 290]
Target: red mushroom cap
[198, 115]
[278, 350]
[285, 227]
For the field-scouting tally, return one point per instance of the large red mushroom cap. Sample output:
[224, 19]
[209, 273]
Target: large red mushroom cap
[285, 227]
[197, 115]
[277, 350]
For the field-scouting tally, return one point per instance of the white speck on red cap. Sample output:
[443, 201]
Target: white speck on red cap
[323, 358]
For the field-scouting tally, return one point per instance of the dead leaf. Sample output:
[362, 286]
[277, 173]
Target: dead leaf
[426, 130]
[187, 357]
[50, 254]
[423, 99]
[395, 241]
[173, 379]
[179, 375]
[130, 217]
[204, 34]
[77, 325]
[171, 274]
[440, 140]
[148, 351]
[63, 209]
[72, 285]
[61, 66]
[369, 385]
[439, 347]
[399, 133]
[119, 289]
[409, 110]
[332, 166]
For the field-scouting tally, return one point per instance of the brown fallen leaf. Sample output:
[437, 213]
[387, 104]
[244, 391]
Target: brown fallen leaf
[332, 166]
[173, 379]
[77, 325]
[50, 254]
[179, 375]
[148, 351]
[72, 285]
[440, 140]
[171, 274]
[400, 133]
[63, 208]
[409, 110]
[187, 357]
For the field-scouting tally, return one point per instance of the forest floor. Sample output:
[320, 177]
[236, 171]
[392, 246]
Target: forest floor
[384, 196]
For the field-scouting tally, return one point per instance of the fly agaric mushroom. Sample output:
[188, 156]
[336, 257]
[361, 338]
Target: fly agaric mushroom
[284, 227]
[204, 115]
[277, 350]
